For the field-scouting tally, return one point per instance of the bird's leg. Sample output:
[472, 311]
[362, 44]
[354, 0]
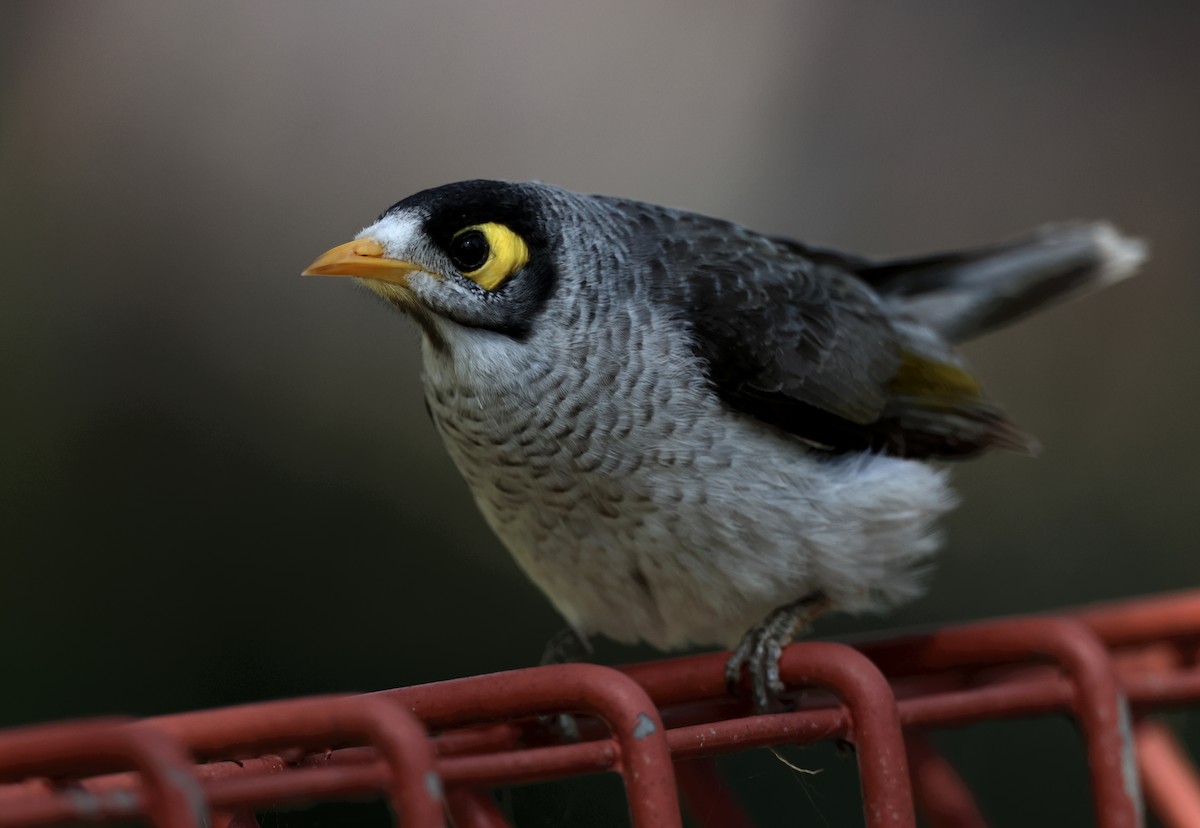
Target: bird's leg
[567, 646]
[759, 651]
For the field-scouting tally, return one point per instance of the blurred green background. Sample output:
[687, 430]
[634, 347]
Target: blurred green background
[218, 480]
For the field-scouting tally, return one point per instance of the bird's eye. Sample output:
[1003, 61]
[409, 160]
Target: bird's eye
[488, 253]
[469, 250]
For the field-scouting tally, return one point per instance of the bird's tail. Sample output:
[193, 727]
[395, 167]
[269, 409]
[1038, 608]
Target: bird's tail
[964, 294]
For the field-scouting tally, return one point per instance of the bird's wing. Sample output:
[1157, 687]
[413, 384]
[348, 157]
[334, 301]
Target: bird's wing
[797, 340]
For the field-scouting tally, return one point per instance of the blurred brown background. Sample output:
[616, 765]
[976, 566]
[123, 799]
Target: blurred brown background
[218, 480]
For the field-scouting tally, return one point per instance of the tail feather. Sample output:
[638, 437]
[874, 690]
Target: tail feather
[963, 294]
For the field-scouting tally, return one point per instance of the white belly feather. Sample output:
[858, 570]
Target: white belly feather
[647, 510]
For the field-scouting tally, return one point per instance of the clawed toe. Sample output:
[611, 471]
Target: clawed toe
[757, 657]
[758, 653]
[738, 660]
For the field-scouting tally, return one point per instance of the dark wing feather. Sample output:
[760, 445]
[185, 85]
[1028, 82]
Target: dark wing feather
[808, 337]
[792, 336]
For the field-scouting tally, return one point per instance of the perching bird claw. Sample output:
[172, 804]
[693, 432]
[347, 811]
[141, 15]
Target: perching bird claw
[760, 649]
[566, 646]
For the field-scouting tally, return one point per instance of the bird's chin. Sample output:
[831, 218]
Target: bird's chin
[398, 295]
[406, 301]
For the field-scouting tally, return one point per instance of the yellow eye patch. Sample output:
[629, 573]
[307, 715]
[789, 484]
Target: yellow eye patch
[488, 253]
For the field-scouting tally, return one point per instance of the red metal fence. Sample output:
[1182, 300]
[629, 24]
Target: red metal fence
[435, 750]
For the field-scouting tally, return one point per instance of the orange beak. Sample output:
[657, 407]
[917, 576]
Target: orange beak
[363, 258]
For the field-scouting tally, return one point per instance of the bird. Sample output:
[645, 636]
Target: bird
[688, 433]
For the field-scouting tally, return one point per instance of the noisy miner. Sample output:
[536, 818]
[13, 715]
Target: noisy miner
[690, 433]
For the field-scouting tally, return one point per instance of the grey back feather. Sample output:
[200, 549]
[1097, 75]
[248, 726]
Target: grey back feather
[851, 354]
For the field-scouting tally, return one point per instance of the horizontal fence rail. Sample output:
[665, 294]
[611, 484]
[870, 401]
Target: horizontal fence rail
[435, 751]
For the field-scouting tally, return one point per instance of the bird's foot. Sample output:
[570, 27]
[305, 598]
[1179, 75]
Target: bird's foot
[758, 653]
[567, 646]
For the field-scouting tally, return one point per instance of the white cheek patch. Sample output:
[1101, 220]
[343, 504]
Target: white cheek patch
[399, 234]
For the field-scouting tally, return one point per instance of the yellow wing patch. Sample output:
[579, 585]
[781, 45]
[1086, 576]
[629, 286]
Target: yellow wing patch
[922, 378]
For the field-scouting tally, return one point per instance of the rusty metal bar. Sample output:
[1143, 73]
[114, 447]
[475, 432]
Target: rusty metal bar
[982, 671]
[707, 797]
[234, 819]
[875, 726]
[1099, 706]
[942, 797]
[874, 720]
[473, 808]
[505, 736]
[413, 785]
[1168, 775]
[736, 735]
[170, 795]
[644, 759]
[1174, 615]
[533, 764]
[339, 773]
[1015, 698]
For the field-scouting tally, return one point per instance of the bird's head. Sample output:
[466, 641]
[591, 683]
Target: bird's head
[477, 254]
